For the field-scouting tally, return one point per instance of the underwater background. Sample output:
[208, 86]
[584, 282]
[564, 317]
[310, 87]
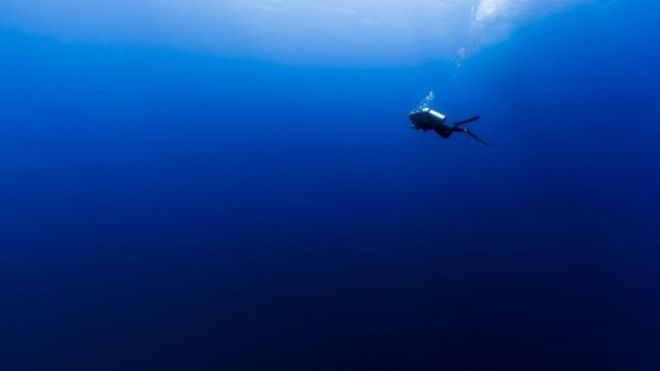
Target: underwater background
[170, 209]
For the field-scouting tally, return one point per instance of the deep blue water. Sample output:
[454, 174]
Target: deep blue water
[168, 210]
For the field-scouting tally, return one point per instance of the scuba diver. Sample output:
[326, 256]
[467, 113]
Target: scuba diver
[425, 118]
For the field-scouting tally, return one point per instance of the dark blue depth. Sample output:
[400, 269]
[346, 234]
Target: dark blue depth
[168, 211]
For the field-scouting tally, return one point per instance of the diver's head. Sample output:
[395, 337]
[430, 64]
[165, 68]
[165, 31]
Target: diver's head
[419, 118]
[426, 118]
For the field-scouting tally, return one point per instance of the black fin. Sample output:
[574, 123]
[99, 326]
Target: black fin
[467, 121]
[475, 137]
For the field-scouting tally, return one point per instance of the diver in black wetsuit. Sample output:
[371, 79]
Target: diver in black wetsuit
[426, 119]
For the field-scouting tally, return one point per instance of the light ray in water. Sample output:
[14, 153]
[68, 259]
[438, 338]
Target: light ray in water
[293, 31]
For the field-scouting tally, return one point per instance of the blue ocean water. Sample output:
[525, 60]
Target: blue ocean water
[170, 210]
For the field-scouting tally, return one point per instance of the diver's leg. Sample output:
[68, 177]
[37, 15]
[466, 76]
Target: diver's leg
[443, 131]
[468, 132]
[456, 129]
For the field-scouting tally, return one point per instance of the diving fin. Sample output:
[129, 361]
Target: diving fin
[475, 137]
[467, 121]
